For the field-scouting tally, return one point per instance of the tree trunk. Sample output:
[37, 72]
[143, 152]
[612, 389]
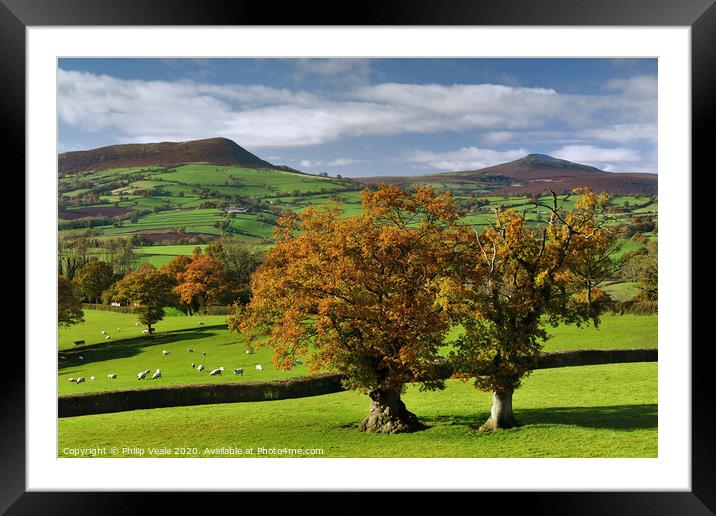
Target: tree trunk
[501, 412]
[388, 414]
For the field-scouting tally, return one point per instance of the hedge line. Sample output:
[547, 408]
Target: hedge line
[110, 308]
[184, 395]
[209, 310]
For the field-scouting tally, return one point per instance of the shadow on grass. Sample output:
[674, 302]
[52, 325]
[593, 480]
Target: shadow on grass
[616, 417]
[129, 347]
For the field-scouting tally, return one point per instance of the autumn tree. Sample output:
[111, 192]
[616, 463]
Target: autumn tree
[148, 288]
[203, 281]
[239, 262]
[172, 269]
[93, 278]
[69, 305]
[532, 277]
[363, 294]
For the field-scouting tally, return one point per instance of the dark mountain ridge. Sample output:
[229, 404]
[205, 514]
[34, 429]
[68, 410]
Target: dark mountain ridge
[217, 151]
[536, 174]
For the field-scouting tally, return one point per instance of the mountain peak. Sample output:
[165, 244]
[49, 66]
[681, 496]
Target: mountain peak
[217, 151]
[542, 161]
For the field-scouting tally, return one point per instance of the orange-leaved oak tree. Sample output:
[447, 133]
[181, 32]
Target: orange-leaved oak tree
[202, 281]
[531, 277]
[363, 293]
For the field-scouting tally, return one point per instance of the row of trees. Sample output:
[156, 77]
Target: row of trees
[219, 275]
[374, 296]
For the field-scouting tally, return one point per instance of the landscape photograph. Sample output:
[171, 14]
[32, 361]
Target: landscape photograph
[357, 258]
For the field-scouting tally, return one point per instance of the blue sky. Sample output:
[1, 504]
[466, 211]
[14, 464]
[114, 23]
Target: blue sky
[359, 117]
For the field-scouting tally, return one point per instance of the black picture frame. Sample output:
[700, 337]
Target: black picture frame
[699, 15]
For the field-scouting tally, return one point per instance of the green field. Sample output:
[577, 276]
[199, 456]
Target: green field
[129, 351]
[594, 411]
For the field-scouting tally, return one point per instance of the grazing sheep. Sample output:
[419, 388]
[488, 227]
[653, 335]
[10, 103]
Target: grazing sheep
[117, 329]
[165, 352]
[203, 353]
[190, 350]
[298, 361]
[107, 337]
[156, 375]
[216, 371]
[249, 352]
[239, 370]
[145, 331]
[142, 375]
[136, 324]
[200, 367]
[112, 376]
[104, 332]
[193, 366]
[81, 357]
[71, 379]
[80, 379]
[201, 323]
[92, 378]
[259, 367]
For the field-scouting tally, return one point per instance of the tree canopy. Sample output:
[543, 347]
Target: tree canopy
[148, 288]
[362, 292]
[530, 277]
[69, 305]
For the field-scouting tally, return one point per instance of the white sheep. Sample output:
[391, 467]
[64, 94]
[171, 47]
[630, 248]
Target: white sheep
[136, 324]
[112, 376]
[216, 371]
[145, 331]
[298, 361]
[193, 366]
[239, 370]
[203, 353]
[107, 337]
[200, 367]
[71, 380]
[165, 352]
[92, 378]
[104, 332]
[201, 323]
[259, 367]
[249, 352]
[81, 357]
[156, 375]
[80, 379]
[190, 350]
[142, 375]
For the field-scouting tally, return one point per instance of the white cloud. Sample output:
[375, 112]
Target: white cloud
[343, 162]
[339, 162]
[621, 133]
[618, 159]
[465, 158]
[260, 116]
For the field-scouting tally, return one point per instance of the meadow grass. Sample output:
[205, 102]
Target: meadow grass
[593, 411]
[129, 351]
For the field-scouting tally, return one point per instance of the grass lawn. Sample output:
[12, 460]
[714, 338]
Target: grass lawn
[593, 411]
[129, 352]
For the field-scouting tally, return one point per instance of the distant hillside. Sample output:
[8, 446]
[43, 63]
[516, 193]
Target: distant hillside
[216, 151]
[537, 173]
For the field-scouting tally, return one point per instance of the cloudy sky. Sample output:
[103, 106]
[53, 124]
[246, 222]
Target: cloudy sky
[359, 117]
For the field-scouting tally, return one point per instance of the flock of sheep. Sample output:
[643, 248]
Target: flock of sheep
[158, 373]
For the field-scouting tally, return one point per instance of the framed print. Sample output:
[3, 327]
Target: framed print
[417, 240]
